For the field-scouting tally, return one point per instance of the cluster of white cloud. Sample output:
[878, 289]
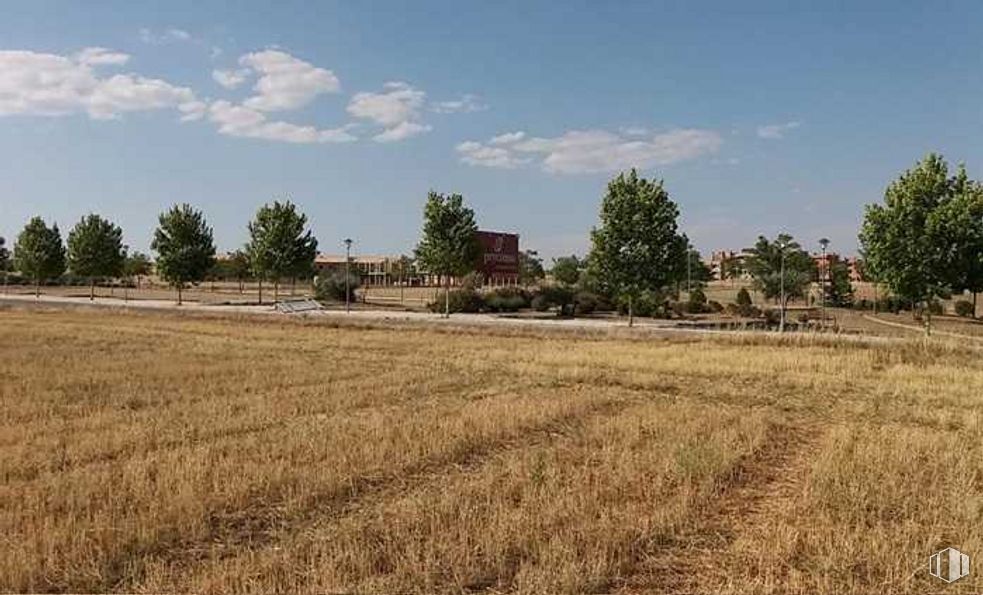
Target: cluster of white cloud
[776, 131]
[465, 104]
[33, 83]
[397, 109]
[283, 83]
[588, 151]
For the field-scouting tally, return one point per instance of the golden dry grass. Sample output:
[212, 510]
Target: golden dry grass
[154, 452]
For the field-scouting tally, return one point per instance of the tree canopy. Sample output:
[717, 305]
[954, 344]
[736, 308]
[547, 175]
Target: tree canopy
[910, 242]
[764, 263]
[567, 270]
[530, 267]
[95, 249]
[637, 246]
[279, 245]
[4, 256]
[39, 252]
[449, 244]
[184, 246]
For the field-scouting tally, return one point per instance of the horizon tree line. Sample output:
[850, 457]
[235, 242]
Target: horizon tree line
[924, 242]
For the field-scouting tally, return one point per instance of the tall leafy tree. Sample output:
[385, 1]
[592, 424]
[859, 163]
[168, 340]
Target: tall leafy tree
[95, 249]
[39, 252]
[567, 270]
[637, 247]
[239, 268]
[449, 244]
[958, 226]
[185, 247]
[839, 289]
[137, 265]
[531, 269]
[4, 259]
[908, 241]
[279, 245]
[765, 264]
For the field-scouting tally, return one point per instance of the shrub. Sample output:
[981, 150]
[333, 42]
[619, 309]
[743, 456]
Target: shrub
[965, 309]
[743, 297]
[715, 306]
[461, 300]
[697, 302]
[585, 302]
[331, 287]
[506, 299]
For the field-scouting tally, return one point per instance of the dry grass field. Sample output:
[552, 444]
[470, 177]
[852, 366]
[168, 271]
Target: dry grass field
[156, 452]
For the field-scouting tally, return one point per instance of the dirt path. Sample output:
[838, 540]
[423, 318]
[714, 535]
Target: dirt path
[701, 559]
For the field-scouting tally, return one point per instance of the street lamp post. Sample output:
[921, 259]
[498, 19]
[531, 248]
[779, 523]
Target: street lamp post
[781, 296]
[348, 259]
[824, 271]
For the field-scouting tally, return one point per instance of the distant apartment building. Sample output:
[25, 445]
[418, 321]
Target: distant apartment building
[727, 264]
[825, 263]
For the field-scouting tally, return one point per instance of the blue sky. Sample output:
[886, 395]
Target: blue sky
[760, 117]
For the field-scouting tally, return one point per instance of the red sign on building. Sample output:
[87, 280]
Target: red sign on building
[499, 255]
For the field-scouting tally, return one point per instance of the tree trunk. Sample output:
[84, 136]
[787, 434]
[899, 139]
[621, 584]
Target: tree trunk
[928, 322]
[37, 287]
[293, 286]
[92, 289]
[276, 291]
[447, 296]
[974, 301]
[260, 292]
[631, 313]
[180, 297]
[240, 287]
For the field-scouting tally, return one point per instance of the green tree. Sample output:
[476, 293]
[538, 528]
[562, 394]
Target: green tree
[137, 265]
[240, 268]
[279, 245]
[957, 224]
[697, 271]
[839, 288]
[39, 253]
[95, 249]
[185, 247]
[637, 247]
[768, 259]
[449, 244]
[567, 270]
[896, 241]
[4, 260]
[530, 267]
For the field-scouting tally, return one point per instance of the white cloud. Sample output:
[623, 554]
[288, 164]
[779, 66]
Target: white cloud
[467, 103]
[151, 37]
[776, 131]
[33, 83]
[101, 57]
[397, 109]
[231, 78]
[242, 121]
[587, 151]
[474, 153]
[286, 82]
[507, 138]
[401, 131]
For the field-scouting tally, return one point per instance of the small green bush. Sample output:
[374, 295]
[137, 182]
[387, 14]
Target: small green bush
[715, 306]
[965, 309]
[461, 300]
[331, 287]
[507, 299]
[586, 302]
[743, 297]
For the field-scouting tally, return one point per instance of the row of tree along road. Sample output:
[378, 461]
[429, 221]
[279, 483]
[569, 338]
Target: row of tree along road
[924, 243]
